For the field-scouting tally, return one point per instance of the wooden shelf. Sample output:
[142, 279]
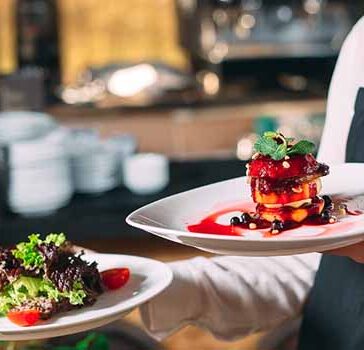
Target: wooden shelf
[186, 132]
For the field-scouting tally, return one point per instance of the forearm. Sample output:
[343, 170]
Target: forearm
[232, 296]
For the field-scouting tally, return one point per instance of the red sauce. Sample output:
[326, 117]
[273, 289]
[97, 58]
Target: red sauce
[353, 212]
[209, 223]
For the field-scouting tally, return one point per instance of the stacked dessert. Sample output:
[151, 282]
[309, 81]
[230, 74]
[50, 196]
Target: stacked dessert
[285, 182]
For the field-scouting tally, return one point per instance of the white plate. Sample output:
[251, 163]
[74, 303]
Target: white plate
[169, 218]
[148, 278]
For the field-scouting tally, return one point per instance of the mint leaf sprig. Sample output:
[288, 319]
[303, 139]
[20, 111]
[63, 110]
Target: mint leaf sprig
[276, 146]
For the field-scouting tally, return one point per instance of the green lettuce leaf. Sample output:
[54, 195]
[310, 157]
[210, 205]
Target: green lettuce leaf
[28, 252]
[57, 238]
[28, 285]
[26, 288]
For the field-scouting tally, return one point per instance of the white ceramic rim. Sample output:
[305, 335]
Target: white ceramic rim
[139, 299]
[173, 232]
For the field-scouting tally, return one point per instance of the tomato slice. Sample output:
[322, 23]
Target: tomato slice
[24, 318]
[115, 278]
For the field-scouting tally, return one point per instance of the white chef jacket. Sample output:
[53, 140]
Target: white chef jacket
[236, 296]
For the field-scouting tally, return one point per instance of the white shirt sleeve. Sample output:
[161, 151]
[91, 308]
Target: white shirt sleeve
[232, 296]
[235, 296]
[347, 78]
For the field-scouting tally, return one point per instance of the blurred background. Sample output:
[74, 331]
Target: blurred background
[108, 105]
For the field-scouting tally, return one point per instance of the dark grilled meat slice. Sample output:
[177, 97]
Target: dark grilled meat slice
[10, 267]
[64, 268]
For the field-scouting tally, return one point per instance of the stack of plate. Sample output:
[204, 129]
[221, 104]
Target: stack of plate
[95, 171]
[24, 126]
[124, 146]
[39, 180]
[96, 164]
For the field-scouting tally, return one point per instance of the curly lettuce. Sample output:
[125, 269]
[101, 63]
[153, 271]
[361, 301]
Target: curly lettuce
[28, 252]
[25, 288]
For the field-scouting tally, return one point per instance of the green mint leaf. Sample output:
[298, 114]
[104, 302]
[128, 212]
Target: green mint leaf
[276, 146]
[265, 146]
[302, 147]
[280, 152]
[270, 134]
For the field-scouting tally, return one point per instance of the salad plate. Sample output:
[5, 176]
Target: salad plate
[148, 278]
[171, 218]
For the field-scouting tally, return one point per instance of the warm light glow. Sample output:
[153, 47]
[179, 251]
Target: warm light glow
[211, 83]
[128, 82]
[244, 149]
[241, 32]
[247, 21]
[220, 17]
[312, 7]
[219, 51]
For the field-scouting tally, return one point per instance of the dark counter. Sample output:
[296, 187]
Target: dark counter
[103, 216]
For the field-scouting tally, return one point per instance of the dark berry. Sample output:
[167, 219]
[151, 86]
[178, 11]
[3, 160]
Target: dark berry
[234, 221]
[277, 225]
[245, 218]
[328, 202]
[326, 215]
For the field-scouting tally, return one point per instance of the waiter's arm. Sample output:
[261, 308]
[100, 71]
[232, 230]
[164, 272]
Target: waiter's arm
[347, 79]
[232, 296]
[235, 296]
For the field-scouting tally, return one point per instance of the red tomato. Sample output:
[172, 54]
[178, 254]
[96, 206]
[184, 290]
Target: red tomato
[115, 278]
[24, 318]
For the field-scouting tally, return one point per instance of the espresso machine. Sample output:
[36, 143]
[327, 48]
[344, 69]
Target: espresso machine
[286, 41]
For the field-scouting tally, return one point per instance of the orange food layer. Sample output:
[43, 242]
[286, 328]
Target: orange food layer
[287, 213]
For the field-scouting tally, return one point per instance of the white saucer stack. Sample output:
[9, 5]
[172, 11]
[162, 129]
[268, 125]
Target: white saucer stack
[39, 180]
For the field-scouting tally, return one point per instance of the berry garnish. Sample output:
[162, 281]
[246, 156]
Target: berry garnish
[326, 215]
[328, 202]
[277, 225]
[234, 221]
[245, 218]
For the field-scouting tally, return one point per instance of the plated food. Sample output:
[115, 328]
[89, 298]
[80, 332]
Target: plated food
[201, 218]
[148, 278]
[43, 277]
[285, 184]
[285, 181]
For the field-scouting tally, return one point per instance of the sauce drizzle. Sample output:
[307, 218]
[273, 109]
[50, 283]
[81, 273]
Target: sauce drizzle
[211, 224]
